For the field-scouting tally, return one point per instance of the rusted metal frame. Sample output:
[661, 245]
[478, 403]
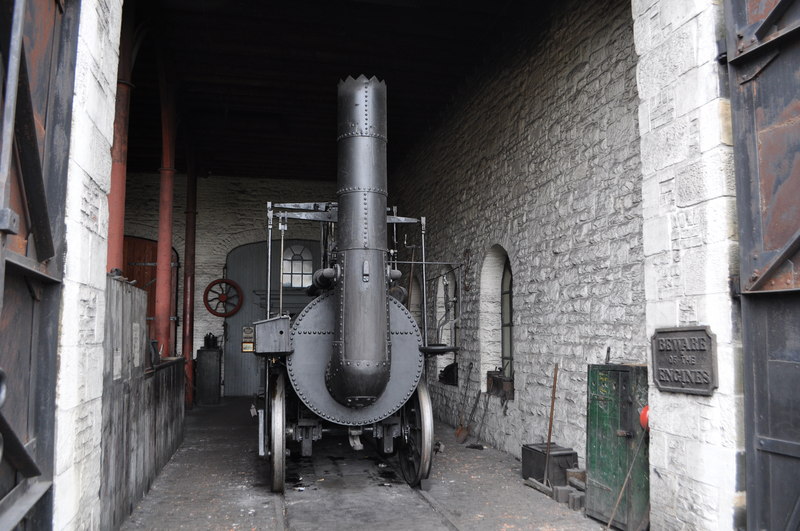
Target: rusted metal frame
[17, 503]
[16, 453]
[166, 199]
[760, 321]
[187, 345]
[10, 103]
[119, 148]
[773, 17]
[31, 268]
[743, 53]
[788, 250]
[31, 165]
[7, 131]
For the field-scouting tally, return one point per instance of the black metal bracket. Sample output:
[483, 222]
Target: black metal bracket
[788, 250]
[15, 453]
[9, 221]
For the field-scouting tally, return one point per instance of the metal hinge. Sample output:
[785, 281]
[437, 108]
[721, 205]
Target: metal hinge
[734, 283]
[722, 52]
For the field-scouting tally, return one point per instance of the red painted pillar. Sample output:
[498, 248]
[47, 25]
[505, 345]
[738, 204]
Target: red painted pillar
[164, 288]
[188, 282]
[119, 149]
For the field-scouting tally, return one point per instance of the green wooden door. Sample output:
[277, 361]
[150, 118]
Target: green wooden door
[615, 443]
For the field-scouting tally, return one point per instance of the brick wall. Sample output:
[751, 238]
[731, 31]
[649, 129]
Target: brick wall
[690, 251]
[539, 154]
[230, 212]
[79, 384]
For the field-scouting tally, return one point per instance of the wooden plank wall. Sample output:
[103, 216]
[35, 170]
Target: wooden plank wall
[142, 409]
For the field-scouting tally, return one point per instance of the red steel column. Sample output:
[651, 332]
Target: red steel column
[188, 281]
[119, 149]
[164, 288]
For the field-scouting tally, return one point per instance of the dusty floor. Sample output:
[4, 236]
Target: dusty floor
[216, 481]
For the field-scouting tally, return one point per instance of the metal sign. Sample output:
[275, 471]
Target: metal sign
[685, 360]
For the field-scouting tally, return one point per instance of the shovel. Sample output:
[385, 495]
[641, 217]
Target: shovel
[460, 426]
[462, 435]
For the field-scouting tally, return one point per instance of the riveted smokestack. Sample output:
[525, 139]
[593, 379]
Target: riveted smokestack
[359, 367]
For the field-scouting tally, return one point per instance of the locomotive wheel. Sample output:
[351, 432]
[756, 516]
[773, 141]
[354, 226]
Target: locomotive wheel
[223, 297]
[277, 437]
[416, 446]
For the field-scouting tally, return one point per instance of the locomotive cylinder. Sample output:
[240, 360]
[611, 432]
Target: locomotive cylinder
[359, 368]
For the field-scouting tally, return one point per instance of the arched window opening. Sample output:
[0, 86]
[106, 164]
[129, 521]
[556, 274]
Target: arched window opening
[496, 324]
[298, 267]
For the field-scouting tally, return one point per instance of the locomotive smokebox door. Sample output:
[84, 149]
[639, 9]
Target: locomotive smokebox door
[272, 336]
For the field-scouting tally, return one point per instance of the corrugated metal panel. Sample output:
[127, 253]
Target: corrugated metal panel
[247, 266]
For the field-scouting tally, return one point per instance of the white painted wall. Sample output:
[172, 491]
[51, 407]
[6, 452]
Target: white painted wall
[605, 172]
[690, 248]
[231, 211]
[79, 384]
[540, 154]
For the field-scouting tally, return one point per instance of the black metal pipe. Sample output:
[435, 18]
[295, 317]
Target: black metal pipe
[359, 368]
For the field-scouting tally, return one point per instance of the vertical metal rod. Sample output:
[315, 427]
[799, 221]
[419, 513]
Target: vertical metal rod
[282, 228]
[269, 258]
[394, 238]
[424, 286]
[187, 345]
[546, 479]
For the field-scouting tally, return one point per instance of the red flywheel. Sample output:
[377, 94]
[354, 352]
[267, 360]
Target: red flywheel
[223, 297]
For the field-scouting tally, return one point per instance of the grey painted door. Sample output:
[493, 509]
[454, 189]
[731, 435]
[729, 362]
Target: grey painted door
[247, 266]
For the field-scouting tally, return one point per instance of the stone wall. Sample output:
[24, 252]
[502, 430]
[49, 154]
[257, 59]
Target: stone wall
[230, 212]
[79, 386]
[539, 154]
[690, 251]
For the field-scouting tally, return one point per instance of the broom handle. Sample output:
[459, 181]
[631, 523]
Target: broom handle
[550, 427]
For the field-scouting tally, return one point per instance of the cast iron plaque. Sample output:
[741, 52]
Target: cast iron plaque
[685, 360]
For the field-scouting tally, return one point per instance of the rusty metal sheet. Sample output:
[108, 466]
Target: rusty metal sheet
[764, 67]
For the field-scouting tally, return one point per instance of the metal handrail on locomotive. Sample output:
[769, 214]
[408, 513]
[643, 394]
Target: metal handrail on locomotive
[355, 356]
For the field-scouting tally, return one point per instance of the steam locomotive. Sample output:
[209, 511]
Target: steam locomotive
[354, 357]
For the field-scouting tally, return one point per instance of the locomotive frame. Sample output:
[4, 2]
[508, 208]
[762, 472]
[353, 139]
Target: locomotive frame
[354, 357]
[405, 428]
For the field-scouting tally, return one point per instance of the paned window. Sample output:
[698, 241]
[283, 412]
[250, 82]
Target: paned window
[297, 267]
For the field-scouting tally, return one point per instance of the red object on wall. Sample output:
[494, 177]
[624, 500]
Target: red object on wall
[644, 418]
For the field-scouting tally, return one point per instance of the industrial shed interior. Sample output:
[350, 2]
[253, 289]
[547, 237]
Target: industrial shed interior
[592, 215]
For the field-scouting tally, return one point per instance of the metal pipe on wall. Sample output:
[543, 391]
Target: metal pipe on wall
[166, 197]
[188, 281]
[119, 148]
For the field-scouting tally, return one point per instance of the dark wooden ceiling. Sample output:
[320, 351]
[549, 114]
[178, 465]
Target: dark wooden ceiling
[256, 80]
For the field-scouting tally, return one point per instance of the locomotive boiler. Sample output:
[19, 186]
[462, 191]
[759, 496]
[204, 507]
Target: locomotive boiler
[353, 359]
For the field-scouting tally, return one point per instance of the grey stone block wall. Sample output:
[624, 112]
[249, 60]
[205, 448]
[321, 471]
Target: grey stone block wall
[231, 211]
[539, 154]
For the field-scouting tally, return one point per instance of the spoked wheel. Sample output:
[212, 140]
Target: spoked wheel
[416, 447]
[223, 297]
[277, 431]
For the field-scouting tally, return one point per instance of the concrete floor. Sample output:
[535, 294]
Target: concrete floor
[217, 481]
